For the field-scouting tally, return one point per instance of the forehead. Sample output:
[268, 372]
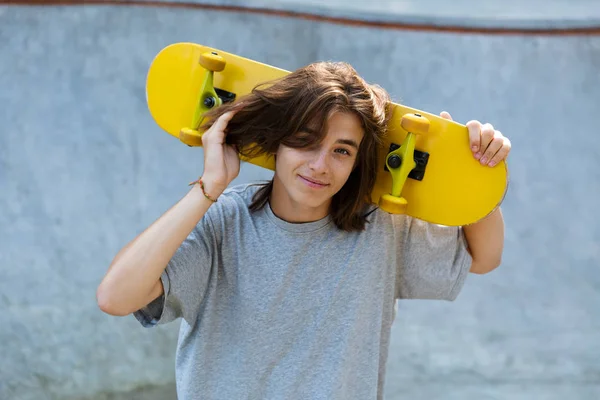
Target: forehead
[346, 125]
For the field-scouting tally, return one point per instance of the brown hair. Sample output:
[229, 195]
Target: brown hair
[274, 113]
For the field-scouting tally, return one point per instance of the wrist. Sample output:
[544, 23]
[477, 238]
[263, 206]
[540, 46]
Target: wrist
[208, 188]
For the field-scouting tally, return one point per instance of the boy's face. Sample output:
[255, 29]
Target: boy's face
[307, 178]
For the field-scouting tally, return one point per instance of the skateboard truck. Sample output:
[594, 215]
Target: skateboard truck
[208, 97]
[421, 159]
[401, 161]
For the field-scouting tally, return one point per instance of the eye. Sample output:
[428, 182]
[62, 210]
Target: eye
[343, 151]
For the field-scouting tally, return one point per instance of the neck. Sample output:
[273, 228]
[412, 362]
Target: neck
[289, 210]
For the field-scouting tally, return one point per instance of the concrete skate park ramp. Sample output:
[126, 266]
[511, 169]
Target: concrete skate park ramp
[84, 168]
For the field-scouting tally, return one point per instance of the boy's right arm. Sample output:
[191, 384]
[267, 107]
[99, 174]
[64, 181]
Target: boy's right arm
[133, 278]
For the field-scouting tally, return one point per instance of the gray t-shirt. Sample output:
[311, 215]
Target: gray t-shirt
[277, 310]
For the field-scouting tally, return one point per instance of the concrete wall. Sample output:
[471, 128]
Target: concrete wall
[83, 169]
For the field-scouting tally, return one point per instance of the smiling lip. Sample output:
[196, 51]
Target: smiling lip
[312, 183]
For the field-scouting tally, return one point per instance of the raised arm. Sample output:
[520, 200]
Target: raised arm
[133, 277]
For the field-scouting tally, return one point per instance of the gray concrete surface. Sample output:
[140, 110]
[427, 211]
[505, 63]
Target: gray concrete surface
[83, 169]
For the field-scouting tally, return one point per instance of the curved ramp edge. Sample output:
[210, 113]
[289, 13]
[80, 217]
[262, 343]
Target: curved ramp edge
[552, 17]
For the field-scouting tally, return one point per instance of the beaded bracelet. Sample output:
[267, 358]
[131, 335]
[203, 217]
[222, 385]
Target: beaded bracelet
[203, 191]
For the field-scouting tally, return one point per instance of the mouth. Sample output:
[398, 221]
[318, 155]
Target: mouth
[314, 183]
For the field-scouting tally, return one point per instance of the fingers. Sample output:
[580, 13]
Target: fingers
[474, 128]
[446, 115]
[486, 136]
[480, 137]
[495, 144]
[223, 120]
[502, 152]
[488, 145]
[217, 130]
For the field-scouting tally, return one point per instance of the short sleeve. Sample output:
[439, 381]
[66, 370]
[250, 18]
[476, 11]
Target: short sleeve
[433, 260]
[185, 279]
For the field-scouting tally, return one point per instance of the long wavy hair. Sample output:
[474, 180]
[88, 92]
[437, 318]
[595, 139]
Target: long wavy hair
[276, 112]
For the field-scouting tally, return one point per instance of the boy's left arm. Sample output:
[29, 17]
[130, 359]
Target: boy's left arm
[485, 238]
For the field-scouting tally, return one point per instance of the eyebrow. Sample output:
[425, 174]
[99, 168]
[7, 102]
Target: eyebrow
[349, 142]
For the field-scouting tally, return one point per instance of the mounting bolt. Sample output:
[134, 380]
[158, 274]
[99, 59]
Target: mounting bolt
[210, 102]
[394, 161]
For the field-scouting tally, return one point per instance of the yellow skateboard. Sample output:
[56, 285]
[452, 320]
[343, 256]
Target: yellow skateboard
[427, 168]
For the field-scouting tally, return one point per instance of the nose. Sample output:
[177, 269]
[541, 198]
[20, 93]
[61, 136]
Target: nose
[319, 161]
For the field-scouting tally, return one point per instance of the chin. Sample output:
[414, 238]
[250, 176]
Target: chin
[310, 200]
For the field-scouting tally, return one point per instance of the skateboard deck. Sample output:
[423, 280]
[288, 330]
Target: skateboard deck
[427, 169]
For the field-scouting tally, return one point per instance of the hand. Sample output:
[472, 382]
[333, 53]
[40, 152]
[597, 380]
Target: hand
[488, 145]
[221, 161]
